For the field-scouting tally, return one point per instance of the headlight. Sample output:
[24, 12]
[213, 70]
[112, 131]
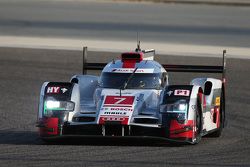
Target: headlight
[177, 107]
[59, 105]
[182, 107]
[178, 110]
[52, 105]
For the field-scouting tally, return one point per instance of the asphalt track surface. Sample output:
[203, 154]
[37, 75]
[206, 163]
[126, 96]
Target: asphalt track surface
[22, 72]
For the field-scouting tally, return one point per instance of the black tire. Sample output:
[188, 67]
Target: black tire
[198, 123]
[218, 132]
[48, 140]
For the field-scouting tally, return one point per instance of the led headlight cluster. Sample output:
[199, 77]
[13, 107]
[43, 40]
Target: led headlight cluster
[178, 110]
[177, 107]
[59, 105]
[53, 108]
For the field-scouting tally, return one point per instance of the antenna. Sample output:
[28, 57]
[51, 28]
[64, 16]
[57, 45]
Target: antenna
[138, 49]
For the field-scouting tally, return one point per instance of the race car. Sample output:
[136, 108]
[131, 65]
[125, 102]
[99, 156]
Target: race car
[132, 97]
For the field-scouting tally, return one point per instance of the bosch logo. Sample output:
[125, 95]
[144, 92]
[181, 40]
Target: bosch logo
[121, 109]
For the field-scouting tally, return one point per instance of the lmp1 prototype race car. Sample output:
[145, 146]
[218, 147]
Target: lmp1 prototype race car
[133, 98]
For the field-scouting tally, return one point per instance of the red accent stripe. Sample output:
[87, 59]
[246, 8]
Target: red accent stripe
[217, 111]
[175, 127]
[204, 98]
[51, 127]
[129, 64]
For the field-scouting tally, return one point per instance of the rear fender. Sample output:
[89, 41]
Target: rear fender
[212, 102]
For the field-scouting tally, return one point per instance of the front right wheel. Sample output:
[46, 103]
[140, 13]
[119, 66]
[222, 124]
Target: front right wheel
[198, 123]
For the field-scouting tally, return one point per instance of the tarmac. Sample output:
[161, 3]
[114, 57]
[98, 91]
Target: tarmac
[118, 46]
[208, 2]
[205, 2]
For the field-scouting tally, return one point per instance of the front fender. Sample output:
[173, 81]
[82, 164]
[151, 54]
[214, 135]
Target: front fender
[179, 125]
[50, 121]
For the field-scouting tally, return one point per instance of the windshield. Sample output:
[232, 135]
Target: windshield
[138, 81]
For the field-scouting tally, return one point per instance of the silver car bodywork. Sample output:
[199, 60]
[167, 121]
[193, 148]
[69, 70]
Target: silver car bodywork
[111, 105]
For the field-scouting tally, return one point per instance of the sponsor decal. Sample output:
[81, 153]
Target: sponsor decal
[131, 70]
[119, 101]
[217, 101]
[169, 93]
[113, 118]
[114, 113]
[121, 109]
[64, 90]
[122, 119]
[53, 89]
[181, 92]
[124, 93]
[56, 89]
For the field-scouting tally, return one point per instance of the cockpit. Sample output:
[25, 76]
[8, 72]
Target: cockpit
[137, 81]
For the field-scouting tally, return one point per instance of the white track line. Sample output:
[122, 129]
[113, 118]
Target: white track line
[121, 46]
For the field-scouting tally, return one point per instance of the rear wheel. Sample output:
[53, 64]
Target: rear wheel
[218, 132]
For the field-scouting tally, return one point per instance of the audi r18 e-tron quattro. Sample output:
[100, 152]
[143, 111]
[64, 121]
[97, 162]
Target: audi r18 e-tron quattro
[133, 98]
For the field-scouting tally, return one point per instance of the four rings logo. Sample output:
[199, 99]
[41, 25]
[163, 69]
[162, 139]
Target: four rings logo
[113, 118]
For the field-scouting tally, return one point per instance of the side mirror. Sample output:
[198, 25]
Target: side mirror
[208, 88]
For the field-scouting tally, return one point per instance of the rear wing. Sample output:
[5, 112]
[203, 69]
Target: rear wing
[90, 66]
[170, 68]
[200, 68]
